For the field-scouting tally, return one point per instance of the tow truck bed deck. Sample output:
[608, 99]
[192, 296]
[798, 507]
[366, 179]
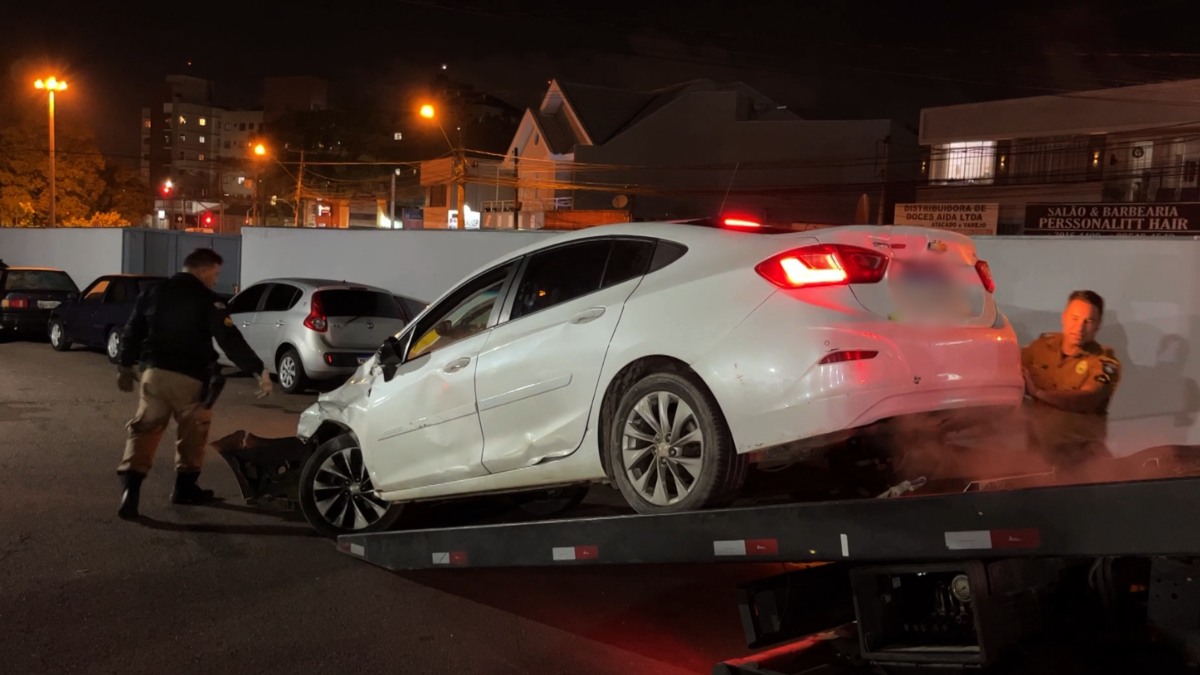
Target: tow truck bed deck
[1105, 519]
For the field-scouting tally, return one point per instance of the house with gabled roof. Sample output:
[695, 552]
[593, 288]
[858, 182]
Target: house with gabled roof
[700, 148]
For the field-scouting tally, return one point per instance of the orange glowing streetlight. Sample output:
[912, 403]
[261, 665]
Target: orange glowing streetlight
[427, 111]
[51, 85]
[260, 151]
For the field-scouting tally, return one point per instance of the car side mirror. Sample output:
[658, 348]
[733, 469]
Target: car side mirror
[389, 353]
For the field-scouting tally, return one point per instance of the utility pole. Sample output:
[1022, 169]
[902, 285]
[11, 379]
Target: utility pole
[299, 184]
[392, 218]
[887, 140]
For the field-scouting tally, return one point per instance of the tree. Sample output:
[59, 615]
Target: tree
[24, 165]
[124, 193]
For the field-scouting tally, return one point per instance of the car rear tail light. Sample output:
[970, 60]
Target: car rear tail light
[741, 223]
[850, 355]
[985, 275]
[824, 265]
[15, 303]
[316, 319]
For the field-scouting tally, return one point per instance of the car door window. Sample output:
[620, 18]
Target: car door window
[96, 292]
[281, 298]
[247, 300]
[467, 312]
[560, 274]
[628, 259]
[121, 291]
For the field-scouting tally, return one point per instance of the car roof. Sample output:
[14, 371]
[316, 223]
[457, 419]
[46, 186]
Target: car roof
[311, 283]
[31, 268]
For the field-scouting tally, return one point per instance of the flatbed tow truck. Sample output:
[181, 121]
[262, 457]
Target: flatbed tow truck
[964, 576]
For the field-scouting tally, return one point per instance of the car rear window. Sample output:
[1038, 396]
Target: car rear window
[38, 280]
[360, 303]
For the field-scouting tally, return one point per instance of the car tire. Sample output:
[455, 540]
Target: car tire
[335, 492]
[112, 345]
[58, 336]
[290, 372]
[552, 502]
[662, 476]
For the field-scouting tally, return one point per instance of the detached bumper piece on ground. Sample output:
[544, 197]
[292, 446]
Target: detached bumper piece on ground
[267, 469]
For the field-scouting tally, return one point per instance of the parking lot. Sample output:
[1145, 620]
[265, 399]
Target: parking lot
[231, 589]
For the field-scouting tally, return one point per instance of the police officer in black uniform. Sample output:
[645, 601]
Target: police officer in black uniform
[170, 334]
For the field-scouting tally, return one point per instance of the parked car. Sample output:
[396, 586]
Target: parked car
[97, 317]
[309, 330]
[660, 357]
[28, 295]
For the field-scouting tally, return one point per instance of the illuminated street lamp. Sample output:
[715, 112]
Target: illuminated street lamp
[460, 163]
[51, 85]
[260, 152]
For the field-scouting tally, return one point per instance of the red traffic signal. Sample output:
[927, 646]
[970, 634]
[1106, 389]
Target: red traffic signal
[167, 189]
[206, 218]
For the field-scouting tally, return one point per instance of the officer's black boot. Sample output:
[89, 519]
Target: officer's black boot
[187, 492]
[131, 481]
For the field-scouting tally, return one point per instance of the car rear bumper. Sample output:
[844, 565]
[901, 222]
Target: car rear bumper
[772, 388]
[322, 362]
[24, 322]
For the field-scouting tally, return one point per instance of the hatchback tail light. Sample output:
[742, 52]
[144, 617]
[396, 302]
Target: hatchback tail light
[985, 275]
[849, 355]
[316, 319]
[15, 303]
[824, 265]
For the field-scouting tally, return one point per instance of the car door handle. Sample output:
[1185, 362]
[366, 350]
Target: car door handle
[457, 364]
[246, 324]
[588, 315]
[280, 323]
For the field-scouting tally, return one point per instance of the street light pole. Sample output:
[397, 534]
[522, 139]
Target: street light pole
[52, 85]
[392, 220]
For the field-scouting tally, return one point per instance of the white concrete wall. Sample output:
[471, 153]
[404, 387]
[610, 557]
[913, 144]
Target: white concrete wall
[84, 253]
[417, 263]
[1151, 289]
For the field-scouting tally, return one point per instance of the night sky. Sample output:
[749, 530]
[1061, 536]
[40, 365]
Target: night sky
[824, 58]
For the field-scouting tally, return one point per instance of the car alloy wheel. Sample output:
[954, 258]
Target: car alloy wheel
[113, 345]
[287, 371]
[663, 448]
[337, 495]
[669, 448]
[344, 493]
[57, 335]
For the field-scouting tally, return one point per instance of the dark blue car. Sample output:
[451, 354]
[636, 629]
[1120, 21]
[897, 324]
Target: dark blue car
[96, 317]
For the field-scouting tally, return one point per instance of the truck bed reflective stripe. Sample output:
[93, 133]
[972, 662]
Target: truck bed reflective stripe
[559, 553]
[990, 539]
[352, 549]
[450, 558]
[746, 547]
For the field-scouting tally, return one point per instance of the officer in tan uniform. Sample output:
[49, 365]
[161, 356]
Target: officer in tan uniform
[1070, 380]
[171, 335]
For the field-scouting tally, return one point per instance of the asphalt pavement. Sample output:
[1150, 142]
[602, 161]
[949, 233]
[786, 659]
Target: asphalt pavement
[232, 589]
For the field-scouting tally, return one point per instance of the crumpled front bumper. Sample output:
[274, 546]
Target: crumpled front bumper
[267, 469]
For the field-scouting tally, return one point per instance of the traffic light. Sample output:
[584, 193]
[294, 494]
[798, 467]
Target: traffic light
[206, 219]
[168, 188]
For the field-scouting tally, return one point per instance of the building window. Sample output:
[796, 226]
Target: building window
[242, 126]
[167, 139]
[227, 145]
[241, 180]
[146, 123]
[229, 126]
[972, 161]
[200, 157]
[183, 138]
[182, 120]
[203, 139]
[437, 196]
[203, 121]
[181, 155]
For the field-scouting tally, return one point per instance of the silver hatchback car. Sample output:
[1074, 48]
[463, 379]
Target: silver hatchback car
[309, 330]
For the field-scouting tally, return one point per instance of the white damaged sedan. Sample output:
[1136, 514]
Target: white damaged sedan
[663, 358]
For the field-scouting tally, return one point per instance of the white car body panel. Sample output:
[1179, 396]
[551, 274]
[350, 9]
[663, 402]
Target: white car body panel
[754, 345]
